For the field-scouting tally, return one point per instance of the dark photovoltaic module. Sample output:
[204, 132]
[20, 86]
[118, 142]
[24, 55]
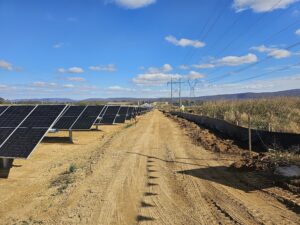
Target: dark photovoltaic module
[129, 113]
[2, 109]
[110, 114]
[23, 127]
[79, 118]
[69, 117]
[122, 114]
[87, 119]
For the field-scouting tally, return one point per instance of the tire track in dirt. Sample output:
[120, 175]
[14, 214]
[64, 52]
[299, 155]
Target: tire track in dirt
[151, 173]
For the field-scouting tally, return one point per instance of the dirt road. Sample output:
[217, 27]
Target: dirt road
[149, 173]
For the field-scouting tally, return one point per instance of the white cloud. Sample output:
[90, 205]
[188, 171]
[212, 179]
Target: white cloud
[183, 67]
[6, 65]
[193, 75]
[261, 5]
[58, 45]
[276, 53]
[297, 32]
[204, 66]
[104, 68]
[76, 79]
[237, 60]
[68, 86]
[43, 84]
[228, 61]
[71, 70]
[133, 4]
[164, 69]
[183, 42]
[117, 88]
[153, 79]
[273, 84]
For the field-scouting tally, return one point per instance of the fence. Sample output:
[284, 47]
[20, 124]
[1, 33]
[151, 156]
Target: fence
[262, 140]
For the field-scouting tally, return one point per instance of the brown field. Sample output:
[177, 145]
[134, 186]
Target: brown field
[148, 173]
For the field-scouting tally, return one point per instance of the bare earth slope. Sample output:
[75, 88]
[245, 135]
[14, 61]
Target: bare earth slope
[150, 173]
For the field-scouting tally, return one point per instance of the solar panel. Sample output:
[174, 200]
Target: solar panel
[69, 117]
[14, 115]
[87, 118]
[110, 114]
[21, 139]
[122, 115]
[103, 111]
[43, 116]
[101, 115]
[2, 109]
[129, 113]
[4, 133]
[22, 142]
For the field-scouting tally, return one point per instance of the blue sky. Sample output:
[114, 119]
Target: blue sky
[131, 48]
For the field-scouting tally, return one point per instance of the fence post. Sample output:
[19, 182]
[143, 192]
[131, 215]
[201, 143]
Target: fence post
[249, 132]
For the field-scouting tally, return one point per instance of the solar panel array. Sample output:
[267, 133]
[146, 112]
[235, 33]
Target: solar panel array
[79, 118]
[110, 114]
[2, 109]
[88, 118]
[129, 113]
[23, 127]
[122, 114]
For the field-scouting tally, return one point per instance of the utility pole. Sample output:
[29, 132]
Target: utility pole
[192, 85]
[179, 92]
[171, 90]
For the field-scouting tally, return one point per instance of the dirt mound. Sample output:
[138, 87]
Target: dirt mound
[257, 162]
[206, 138]
[267, 163]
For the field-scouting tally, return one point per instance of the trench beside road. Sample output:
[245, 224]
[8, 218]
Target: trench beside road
[149, 173]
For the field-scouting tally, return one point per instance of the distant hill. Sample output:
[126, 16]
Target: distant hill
[247, 95]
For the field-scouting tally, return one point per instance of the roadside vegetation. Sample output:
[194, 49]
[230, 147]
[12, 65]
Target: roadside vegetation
[280, 114]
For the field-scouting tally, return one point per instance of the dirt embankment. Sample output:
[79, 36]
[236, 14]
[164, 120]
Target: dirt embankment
[148, 173]
[263, 163]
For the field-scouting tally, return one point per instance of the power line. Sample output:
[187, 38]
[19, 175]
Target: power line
[222, 11]
[249, 28]
[204, 35]
[260, 18]
[266, 73]
[251, 65]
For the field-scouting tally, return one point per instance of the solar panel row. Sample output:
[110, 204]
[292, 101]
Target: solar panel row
[69, 117]
[110, 114]
[23, 127]
[88, 118]
[122, 114]
[79, 118]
